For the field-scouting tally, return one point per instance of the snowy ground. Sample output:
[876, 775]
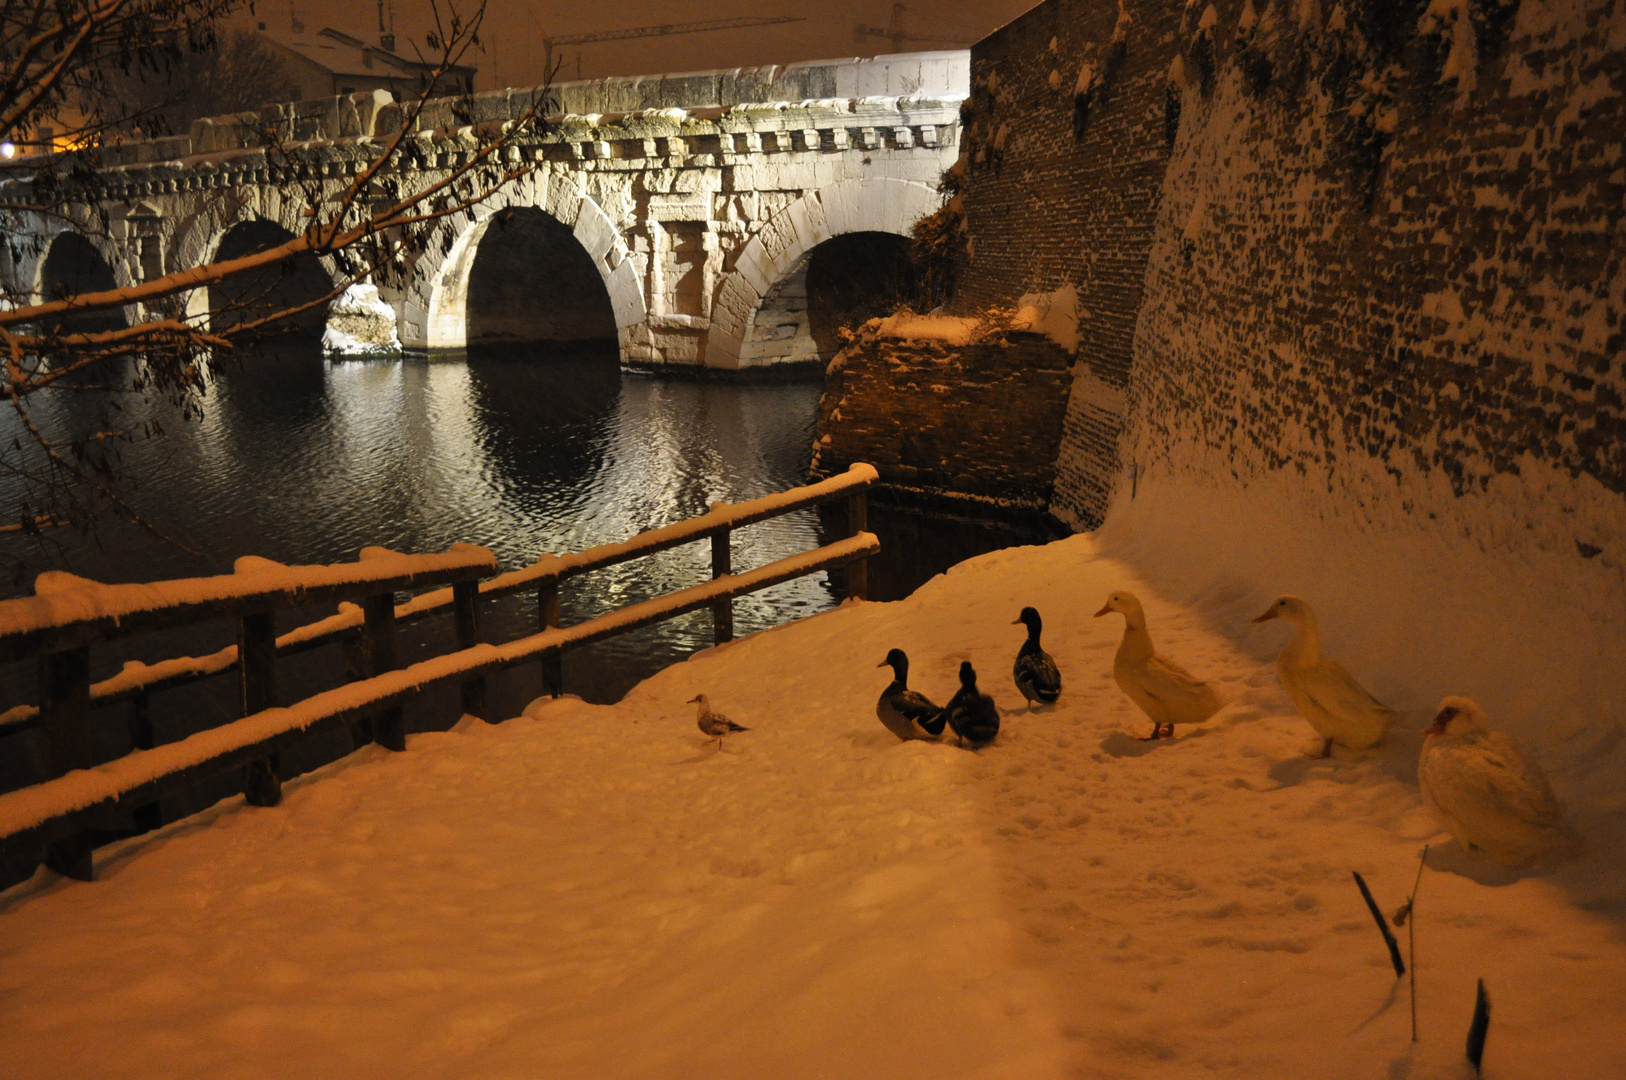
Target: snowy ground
[597, 891]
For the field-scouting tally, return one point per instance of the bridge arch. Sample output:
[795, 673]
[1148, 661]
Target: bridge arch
[443, 282]
[70, 264]
[250, 296]
[781, 248]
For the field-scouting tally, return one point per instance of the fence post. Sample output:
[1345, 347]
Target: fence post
[64, 687]
[257, 665]
[857, 522]
[466, 610]
[355, 670]
[378, 645]
[547, 613]
[722, 611]
[139, 717]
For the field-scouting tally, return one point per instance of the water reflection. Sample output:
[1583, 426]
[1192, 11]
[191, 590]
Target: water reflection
[522, 449]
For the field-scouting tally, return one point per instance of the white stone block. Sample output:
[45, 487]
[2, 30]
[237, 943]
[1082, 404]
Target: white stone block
[594, 230]
[626, 289]
[756, 265]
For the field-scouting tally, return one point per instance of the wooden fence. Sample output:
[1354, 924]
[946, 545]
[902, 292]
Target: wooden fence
[58, 820]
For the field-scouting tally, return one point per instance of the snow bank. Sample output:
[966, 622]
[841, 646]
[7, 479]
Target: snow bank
[598, 891]
[1488, 595]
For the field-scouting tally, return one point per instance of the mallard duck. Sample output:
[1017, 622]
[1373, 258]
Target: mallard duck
[906, 714]
[1165, 691]
[1036, 673]
[715, 725]
[1485, 791]
[1338, 707]
[971, 713]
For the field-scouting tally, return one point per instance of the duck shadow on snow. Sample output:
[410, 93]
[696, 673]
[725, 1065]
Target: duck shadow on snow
[1396, 757]
[1121, 744]
[1452, 858]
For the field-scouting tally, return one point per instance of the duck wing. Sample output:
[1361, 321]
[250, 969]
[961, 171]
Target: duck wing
[1037, 676]
[1335, 692]
[902, 711]
[1486, 784]
[973, 716]
[1185, 697]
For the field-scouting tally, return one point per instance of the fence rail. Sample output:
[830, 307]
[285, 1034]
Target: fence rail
[60, 818]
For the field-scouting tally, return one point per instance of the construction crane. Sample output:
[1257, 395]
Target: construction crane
[661, 30]
[894, 32]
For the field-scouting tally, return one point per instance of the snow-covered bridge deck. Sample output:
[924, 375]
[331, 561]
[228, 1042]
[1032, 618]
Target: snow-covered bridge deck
[597, 891]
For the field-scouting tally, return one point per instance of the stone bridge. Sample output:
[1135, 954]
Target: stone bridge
[677, 214]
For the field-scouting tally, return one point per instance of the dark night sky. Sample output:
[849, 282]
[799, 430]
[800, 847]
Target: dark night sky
[513, 38]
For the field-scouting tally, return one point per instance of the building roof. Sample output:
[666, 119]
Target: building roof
[341, 54]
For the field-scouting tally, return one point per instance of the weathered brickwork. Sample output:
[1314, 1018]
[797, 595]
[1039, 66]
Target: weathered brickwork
[1452, 307]
[1066, 148]
[979, 418]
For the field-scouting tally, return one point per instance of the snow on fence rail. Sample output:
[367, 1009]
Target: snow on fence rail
[58, 817]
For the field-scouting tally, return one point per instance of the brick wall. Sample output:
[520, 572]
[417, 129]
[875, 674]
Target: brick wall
[1397, 249]
[1062, 186]
[976, 419]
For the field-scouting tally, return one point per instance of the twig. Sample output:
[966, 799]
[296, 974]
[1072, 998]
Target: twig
[1411, 937]
[1383, 926]
[1477, 1029]
[44, 521]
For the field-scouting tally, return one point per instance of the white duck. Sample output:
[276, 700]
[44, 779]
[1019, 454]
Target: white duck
[1164, 690]
[1486, 792]
[1326, 695]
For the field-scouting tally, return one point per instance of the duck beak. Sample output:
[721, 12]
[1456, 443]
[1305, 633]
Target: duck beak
[1270, 613]
[881, 664]
[1016, 622]
[1105, 608]
[692, 700]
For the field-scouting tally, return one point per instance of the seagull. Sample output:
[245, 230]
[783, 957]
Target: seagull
[971, 713]
[1326, 695]
[1165, 691]
[1036, 673]
[907, 714]
[1487, 793]
[714, 725]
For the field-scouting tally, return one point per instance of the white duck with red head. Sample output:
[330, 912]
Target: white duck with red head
[1338, 707]
[1165, 691]
[1487, 793]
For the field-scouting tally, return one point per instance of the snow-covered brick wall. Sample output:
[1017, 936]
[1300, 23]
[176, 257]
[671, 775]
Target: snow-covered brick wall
[968, 408]
[1065, 146]
[1379, 358]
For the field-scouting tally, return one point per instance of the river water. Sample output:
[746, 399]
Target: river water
[523, 451]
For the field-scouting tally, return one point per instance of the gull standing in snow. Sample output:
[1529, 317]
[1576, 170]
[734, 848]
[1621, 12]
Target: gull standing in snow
[1165, 691]
[971, 713]
[1036, 673]
[714, 725]
[906, 713]
[1486, 792]
[1326, 695]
